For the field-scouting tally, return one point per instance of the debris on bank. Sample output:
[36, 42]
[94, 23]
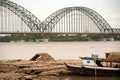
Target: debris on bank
[42, 57]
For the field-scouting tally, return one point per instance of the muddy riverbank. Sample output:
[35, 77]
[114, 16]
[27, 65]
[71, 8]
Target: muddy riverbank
[30, 70]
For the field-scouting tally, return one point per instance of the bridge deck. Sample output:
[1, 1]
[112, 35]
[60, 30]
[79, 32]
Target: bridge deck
[56, 33]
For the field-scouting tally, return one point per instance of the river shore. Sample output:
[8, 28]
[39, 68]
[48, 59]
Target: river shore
[15, 63]
[33, 70]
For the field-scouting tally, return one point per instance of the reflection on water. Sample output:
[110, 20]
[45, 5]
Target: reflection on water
[77, 78]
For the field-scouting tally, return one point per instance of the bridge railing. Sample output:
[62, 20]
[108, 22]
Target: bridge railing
[112, 30]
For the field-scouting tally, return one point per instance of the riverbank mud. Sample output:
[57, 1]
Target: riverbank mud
[26, 69]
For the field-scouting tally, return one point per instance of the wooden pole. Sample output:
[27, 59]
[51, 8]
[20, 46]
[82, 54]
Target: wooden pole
[95, 68]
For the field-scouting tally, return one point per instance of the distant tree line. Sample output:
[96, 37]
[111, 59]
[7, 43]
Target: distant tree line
[57, 37]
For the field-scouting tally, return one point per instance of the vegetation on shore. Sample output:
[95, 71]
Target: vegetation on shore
[58, 37]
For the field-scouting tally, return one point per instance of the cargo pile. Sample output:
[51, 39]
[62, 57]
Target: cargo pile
[113, 55]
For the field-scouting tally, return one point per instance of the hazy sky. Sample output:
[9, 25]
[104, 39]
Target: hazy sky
[109, 9]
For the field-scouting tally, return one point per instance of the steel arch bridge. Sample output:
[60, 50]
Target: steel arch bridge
[30, 20]
[67, 20]
[98, 20]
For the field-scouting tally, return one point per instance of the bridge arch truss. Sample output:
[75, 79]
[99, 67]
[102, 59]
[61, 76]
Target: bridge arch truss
[71, 13]
[67, 20]
[29, 19]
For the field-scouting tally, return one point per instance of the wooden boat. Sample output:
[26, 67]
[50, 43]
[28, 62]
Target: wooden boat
[96, 69]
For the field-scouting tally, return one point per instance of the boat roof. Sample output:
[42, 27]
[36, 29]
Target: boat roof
[107, 59]
[86, 58]
[101, 59]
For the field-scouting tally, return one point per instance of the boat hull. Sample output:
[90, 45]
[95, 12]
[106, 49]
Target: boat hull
[92, 71]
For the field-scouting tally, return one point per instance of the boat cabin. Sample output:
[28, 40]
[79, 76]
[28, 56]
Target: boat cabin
[101, 62]
[89, 61]
[108, 62]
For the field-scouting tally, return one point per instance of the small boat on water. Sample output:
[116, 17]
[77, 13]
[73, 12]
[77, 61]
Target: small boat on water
[93, 67]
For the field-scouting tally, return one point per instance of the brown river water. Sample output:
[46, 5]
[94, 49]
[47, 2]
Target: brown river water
[58, 50]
